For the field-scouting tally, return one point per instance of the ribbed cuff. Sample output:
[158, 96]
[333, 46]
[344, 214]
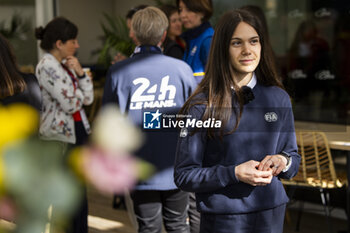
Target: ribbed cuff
[81, 77]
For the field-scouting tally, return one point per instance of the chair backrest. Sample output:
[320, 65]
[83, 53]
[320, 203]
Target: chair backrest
[316, 168]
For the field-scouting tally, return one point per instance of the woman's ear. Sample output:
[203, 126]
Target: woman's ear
[201, 16]
[163, 36]
[58, 44]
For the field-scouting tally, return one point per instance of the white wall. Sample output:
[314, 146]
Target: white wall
[122, 6]
[44, 12]
[87, 15]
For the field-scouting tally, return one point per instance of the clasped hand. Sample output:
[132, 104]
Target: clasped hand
[74, 64]
[260, 173]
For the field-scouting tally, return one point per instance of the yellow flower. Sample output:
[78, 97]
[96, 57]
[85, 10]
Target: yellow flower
[76, 161]
[17, 121]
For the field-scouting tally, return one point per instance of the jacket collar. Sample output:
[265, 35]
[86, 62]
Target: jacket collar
[146, 49]
[195, 32]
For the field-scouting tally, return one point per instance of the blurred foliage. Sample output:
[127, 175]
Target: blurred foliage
[33, 174]
[17, 28]
[116, 39]
[36, 178]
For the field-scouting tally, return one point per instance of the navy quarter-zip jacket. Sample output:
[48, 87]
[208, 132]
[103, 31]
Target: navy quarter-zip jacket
[207, 166]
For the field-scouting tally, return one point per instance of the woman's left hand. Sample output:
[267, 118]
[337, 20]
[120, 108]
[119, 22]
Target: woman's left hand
[275, 162]
[74, 64]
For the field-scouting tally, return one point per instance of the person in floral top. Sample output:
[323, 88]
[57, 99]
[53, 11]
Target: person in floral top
[65, 88]
[64, 85]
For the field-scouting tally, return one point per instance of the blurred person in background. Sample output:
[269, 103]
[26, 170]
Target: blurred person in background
[173, 46]
[16, 86]
[119, 200]
[129, 14]
[195, 15]
[65, 88]
[150, 82]
[309, 64]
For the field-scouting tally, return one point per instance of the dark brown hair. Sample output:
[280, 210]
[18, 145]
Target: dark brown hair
[11, 81]
[218, 80]
[59, 28]
[259, 13]
[168, 10]
[135, 9]
[199, 6]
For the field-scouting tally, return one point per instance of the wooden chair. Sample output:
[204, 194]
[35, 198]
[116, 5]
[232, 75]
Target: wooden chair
[316, 169]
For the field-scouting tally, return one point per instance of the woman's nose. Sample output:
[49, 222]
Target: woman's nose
[246, 50]
[182, 14]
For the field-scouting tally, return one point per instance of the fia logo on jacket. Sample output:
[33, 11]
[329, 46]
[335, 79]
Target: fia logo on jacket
[145, 94]
[271, 117]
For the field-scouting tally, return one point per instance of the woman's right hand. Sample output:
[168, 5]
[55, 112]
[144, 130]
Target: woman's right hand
[248, 172]
[74, 64]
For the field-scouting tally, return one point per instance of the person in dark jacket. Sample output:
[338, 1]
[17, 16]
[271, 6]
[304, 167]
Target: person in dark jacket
[234, 166]
[147, 87]
[194, 15]
[173, 45]
[15, 86]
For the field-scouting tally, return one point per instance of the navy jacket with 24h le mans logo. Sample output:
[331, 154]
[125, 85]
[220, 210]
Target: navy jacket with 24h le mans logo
[150, 82]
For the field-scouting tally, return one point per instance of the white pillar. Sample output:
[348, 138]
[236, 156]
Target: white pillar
[44, 12]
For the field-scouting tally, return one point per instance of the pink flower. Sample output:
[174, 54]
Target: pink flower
[7, 209]
[109, 173]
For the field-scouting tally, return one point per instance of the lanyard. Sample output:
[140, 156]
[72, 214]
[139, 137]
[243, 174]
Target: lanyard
[74, 79]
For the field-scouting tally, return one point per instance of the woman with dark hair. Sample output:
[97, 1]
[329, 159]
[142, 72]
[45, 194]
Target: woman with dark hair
[234, 169]
[65, 86]
[131, 13]
[16, 86]
[173, 46]
[259, 13]
[194, 15]
[65, 89]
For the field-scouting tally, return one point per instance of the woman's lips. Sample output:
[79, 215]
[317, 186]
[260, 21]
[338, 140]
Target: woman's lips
[246, 61]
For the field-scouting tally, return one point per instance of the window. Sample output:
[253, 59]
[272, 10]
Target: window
[311, 40]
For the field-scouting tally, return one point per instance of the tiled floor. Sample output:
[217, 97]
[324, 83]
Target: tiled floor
[104, 219]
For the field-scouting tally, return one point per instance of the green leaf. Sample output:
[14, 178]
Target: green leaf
[116, 39]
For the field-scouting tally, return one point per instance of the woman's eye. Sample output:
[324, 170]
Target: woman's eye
[235, 43]
[256, 41]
